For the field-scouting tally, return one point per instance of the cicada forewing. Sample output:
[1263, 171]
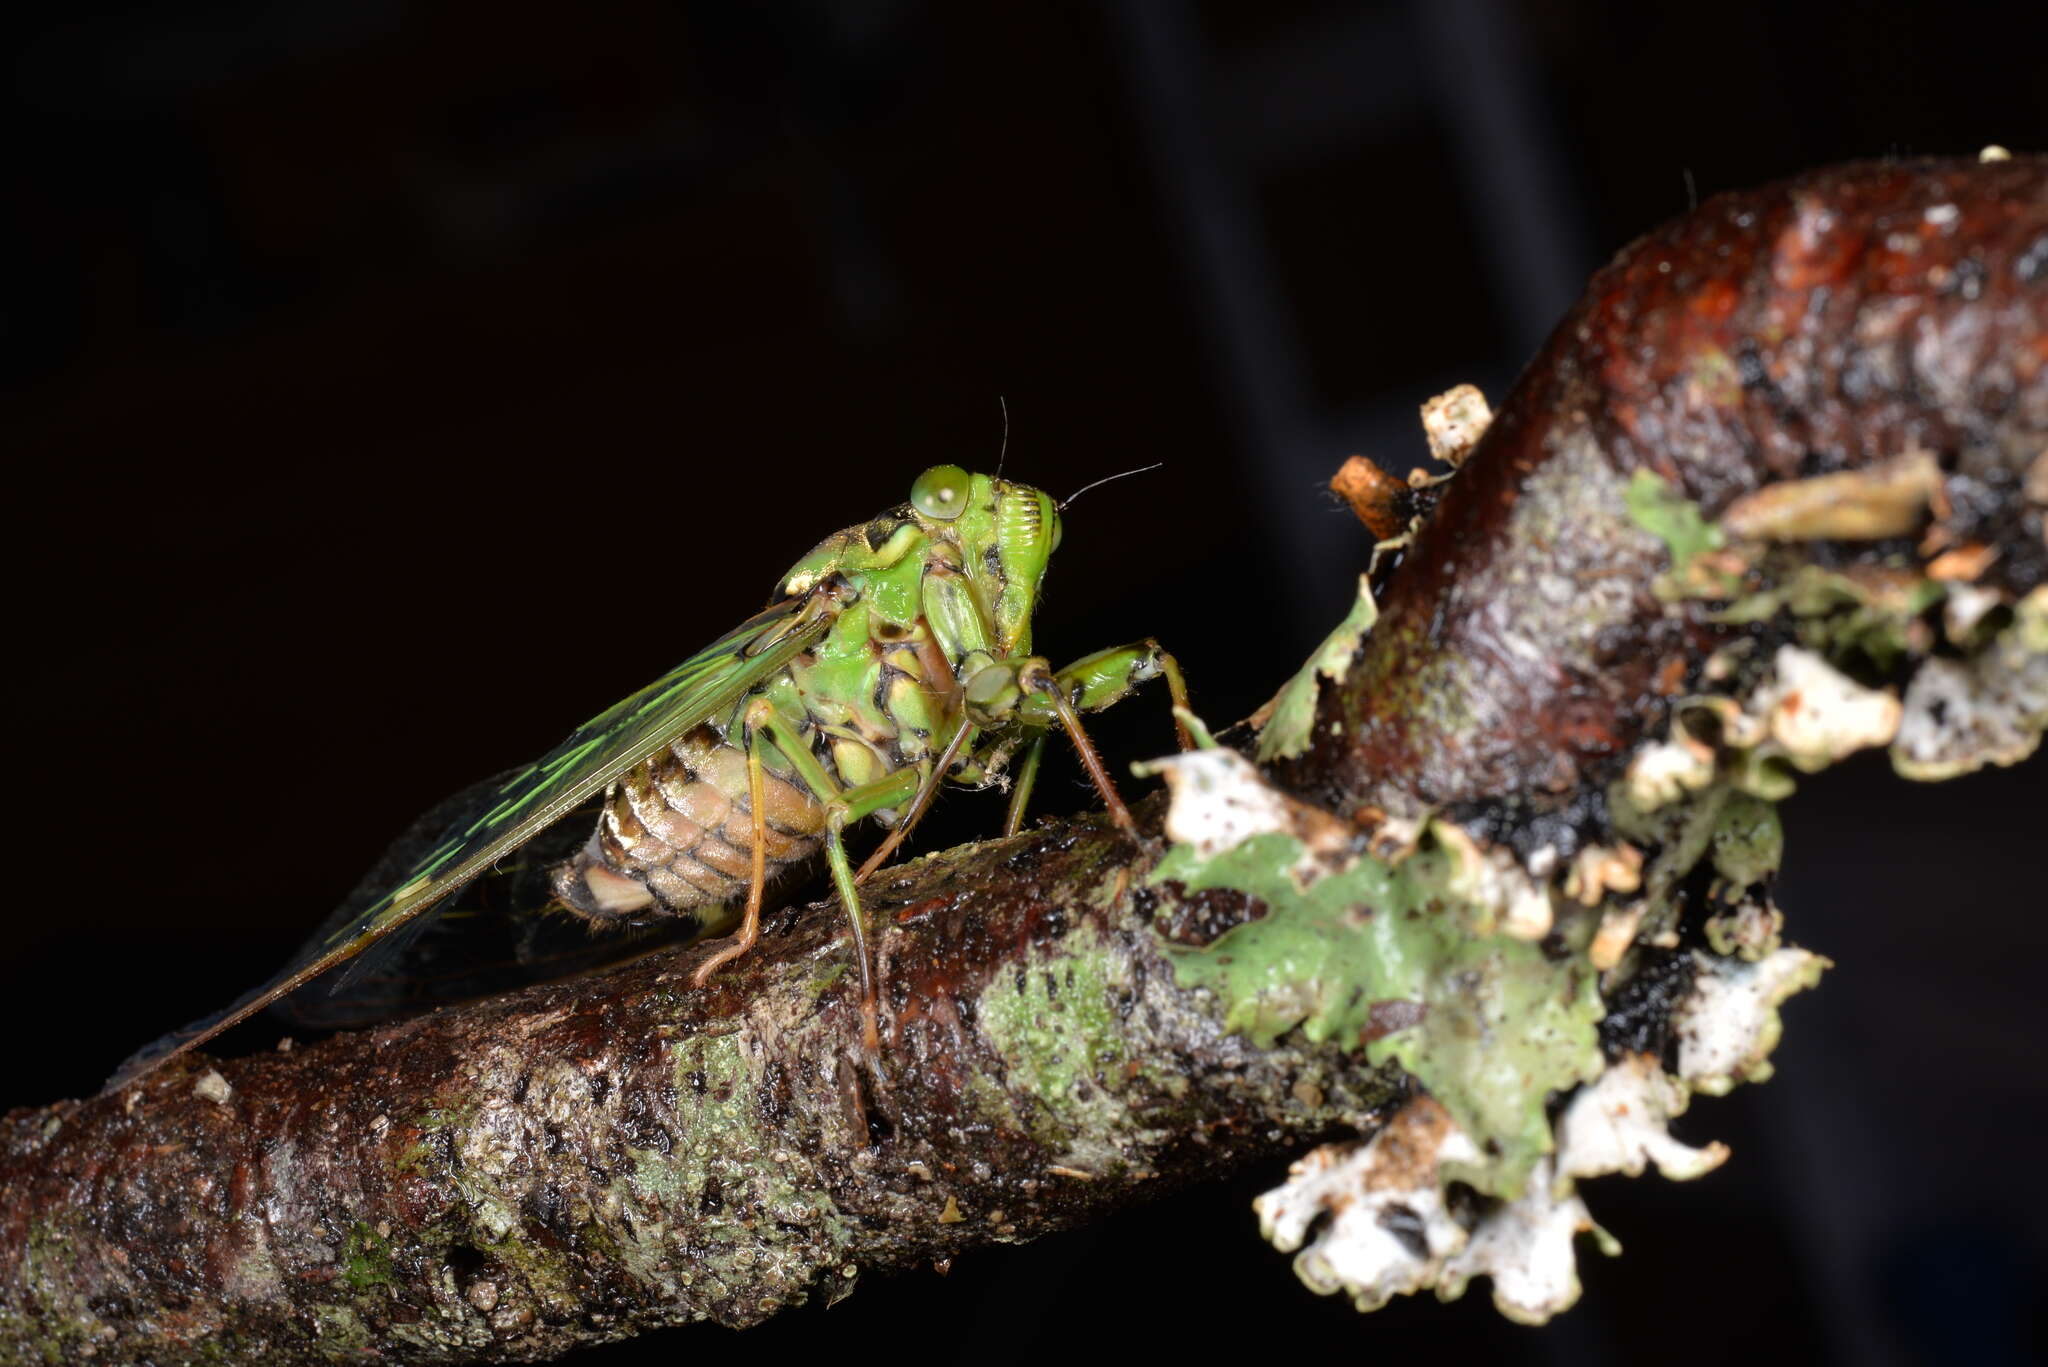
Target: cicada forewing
[504, 929]
[527, 801]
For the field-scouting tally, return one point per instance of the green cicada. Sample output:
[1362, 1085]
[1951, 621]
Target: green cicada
[896, 655]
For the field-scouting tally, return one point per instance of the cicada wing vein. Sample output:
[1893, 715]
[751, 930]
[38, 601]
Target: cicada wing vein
[533, 797]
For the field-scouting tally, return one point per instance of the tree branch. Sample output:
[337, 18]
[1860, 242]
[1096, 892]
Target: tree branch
[1828, 323]
[581, 1161]
[585, 1160]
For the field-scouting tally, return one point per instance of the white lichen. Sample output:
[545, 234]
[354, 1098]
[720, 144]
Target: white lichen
[1525, 1246]
[1619, 1124]
[1964, 607]
[1805, 712]
[1381, 1225]
[1664, 771]
[1454, 421]
[1962, 715]
[1816, 715]
[1728, 1024]
[1218, 800]
[1489, 877]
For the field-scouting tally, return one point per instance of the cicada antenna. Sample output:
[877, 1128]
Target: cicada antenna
[1069, 500]
[1003, 453]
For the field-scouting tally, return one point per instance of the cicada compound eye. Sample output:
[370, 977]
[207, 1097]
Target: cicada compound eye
[941, 492]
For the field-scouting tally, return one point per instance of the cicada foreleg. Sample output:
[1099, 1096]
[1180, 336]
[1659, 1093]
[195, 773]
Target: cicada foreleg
[1026, 779]
[1038, 681]
[1030, 692]
[843, 807]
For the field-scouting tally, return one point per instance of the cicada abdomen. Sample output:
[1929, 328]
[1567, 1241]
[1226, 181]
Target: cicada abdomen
[677, 833]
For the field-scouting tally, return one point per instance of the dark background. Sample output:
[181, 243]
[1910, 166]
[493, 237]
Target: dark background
[387, 387]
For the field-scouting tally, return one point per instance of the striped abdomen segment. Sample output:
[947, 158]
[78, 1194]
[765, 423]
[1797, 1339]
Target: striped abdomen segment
[677, 832]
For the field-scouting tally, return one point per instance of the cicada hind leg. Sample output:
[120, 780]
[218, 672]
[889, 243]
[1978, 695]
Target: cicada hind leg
[757, 886]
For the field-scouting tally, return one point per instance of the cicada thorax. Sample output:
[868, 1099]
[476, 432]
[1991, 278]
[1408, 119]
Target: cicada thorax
[676, 833]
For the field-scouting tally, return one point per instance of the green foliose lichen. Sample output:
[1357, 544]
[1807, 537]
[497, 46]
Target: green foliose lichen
[1672, 518]
[1291, 714]
[1748, 840]
[1385, 959]
[1872, 614]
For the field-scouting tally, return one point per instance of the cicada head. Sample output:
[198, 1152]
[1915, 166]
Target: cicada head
[1006, 533]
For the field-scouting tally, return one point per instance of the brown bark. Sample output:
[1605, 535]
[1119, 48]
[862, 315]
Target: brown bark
[1825, 323]
[580, 1161]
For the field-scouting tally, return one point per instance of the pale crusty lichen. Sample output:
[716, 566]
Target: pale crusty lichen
[1960, 715]
[1382, 1217]
[1728, 1024]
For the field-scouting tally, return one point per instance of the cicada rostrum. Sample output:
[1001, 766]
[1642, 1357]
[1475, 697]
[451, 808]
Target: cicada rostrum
[895, 656]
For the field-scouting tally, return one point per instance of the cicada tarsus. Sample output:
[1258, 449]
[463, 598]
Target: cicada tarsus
[895, 656]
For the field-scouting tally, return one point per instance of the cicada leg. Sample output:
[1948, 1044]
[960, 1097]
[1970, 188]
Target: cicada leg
[1177, 692]
[919, 804]
[1037, 677]
[750, 922]
[842, 811]
[1026, 780]
[843, 807]
[1044, 698]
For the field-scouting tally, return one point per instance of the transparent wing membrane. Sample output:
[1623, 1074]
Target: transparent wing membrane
[498, 817]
